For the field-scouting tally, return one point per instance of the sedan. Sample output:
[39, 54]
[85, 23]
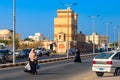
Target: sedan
[19, 54]
[5, 56]
[107, 62]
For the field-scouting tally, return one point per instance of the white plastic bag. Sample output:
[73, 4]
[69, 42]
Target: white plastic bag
[28, 66]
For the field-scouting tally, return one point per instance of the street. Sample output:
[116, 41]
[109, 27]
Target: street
[61, 70]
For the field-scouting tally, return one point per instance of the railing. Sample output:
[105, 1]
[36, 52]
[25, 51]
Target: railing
[44, 61]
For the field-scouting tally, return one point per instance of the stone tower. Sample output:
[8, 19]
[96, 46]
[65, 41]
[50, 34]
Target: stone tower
[65, 29]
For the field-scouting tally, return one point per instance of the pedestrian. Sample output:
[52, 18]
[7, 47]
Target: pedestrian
[33, 59]
[77, 56]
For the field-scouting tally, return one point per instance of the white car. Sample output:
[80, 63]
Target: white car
[107, 62]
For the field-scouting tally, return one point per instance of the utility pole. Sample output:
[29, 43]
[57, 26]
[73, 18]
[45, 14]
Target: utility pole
[68, 7]
[118, 35]
[93, 24]
[115, 38]
[14, 26]
[107, 23]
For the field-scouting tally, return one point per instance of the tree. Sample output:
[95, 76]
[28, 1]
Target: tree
[17, 43]
[7, 42]
[34, 44]
[28, 39]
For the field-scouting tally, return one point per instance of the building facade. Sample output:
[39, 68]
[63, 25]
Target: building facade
[98, 40]
[7, 34]
[65, 29]
[39, 36]
[66, 34]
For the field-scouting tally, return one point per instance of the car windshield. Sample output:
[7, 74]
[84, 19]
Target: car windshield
[104, 56]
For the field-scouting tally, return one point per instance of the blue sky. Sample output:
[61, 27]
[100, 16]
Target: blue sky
[38, 16]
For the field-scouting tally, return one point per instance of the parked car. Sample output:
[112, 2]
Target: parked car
[38, 51]
[45, 51]
[26, 52]
[101, 50]
[107, 62]
[72, 51]
[2, 45]
[42, 51]
[19, 54]
[6, 56]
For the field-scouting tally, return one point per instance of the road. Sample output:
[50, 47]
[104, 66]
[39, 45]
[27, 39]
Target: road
[62, 70]
[41, 58]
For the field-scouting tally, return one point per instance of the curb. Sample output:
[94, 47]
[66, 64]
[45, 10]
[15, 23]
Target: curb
[43, 61]
[13, 65]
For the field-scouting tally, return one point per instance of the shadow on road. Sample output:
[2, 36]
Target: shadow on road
[49, 73]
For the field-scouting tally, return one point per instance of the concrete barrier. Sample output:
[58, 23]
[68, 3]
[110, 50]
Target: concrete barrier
[43, 61]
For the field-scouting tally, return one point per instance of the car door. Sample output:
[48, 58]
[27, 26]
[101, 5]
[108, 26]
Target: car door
[116, 60]
[9, 55]
[6, 55]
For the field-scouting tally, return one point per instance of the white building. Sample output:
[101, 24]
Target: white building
[39, 36]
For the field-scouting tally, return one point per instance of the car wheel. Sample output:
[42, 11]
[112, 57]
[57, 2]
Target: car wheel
[48, 55]
[99, 74]
[40, 55]
[21, 57]
[3, 60]
[117, 72]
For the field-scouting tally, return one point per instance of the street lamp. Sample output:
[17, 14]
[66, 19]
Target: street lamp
[68, 7]
[14, 25]
[93, 24]
[115, 37]
[118, 36]
[107, 23]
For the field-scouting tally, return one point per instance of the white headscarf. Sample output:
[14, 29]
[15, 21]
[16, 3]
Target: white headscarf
[32, 55]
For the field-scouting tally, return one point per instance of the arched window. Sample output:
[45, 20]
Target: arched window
[61, 46]
[61, 37]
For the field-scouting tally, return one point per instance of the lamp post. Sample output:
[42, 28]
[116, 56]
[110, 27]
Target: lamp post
[93, 24]
[115, 37]
[118, 39]
[68, 7]
[118, 36]
[14, 25]
[107, 23]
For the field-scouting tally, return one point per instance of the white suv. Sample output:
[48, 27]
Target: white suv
[107, 62]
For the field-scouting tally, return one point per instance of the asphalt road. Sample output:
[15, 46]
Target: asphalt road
[62, 70]
[41, 58]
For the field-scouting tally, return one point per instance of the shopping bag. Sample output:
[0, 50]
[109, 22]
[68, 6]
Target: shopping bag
[38, 66]
[28, 66]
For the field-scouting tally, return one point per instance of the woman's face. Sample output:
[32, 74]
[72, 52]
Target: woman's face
[33, 49]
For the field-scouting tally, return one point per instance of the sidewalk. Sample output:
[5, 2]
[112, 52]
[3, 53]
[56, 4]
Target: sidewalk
[107, 76]
[90, 75]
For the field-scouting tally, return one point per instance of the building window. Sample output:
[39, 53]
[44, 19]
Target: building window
[61, 37]
[61, 46]
[10, 37]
